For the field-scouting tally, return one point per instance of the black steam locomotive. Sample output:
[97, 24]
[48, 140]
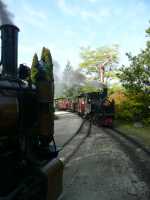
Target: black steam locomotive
[95, 105]
[29, 167]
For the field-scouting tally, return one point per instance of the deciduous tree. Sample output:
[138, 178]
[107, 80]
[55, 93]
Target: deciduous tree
[136, 79]
[92, 58]
[34, 68]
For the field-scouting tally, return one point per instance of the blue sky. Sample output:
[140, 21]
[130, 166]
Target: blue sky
[65, 25]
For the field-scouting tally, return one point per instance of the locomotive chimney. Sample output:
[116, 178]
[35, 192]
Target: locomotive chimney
[9, 50]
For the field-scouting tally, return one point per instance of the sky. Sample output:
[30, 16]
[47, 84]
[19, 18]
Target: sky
[64, 26]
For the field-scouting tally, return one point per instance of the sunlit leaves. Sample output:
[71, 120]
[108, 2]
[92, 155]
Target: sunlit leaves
[34, 68]
[136, 76]
[91, 58]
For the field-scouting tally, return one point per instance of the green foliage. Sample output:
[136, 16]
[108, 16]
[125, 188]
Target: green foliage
[48, 65]
[113, 74]
[131, 107]
[116, 88]
[43, 54]
[136, 80]
[136, 76]
[92, 57]
[76, 81]
[130, 110]
[88, 88]
[47, 59]
[34, 68]
[148, 31]
[146, 121]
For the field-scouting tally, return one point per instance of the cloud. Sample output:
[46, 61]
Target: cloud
[32, 12]
[96, 15]
[85, 22]
[68, 32]
[31, 16]
[85, 14]
[92, 1]
[65, 8]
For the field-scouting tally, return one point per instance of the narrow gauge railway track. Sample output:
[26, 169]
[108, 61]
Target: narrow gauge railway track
[110, 161]
[70, 147]
[67, 152]
[130, 139]
[134, 141]
[74, 135]
[138, 153]
[89, 119]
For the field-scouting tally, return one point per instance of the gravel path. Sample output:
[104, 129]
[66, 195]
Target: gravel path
[101, 170]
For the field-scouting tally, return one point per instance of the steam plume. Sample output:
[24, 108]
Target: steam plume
[5, 15]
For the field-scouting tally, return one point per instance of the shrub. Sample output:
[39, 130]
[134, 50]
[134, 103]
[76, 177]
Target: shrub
[131, 107]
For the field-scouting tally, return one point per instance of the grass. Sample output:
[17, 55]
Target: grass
[141, 134]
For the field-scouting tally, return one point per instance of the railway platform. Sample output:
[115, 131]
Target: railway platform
[66, 126]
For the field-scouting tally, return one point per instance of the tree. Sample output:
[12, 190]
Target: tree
[93, 58]
[46, 58]
[34, 68]
[72, 81]
[43, 54]
[67, 74]
[136, 80]
[48, 63]
[136, 76]
[67, 82]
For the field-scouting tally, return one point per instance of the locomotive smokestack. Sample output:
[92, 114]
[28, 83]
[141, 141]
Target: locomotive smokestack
[9, 51]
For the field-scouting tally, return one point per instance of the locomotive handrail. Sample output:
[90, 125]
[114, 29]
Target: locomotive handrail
[18, 88]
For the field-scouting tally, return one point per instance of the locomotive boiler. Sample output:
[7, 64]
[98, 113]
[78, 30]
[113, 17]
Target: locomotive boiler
[29, 167]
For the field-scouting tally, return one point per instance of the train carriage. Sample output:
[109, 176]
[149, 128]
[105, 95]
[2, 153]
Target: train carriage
[93, 104]
[98, 106]
[61, 104]
[81, 104]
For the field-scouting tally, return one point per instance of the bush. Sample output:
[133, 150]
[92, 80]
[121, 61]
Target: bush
[131, 107]
[146, 121]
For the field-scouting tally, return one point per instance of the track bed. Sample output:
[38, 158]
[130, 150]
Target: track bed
[101, 169]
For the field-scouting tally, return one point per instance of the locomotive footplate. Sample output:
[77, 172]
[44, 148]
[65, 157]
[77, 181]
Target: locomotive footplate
[21, 180]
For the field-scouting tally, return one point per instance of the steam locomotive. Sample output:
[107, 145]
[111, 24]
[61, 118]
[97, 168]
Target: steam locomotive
[29, 167]
[93, 104]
